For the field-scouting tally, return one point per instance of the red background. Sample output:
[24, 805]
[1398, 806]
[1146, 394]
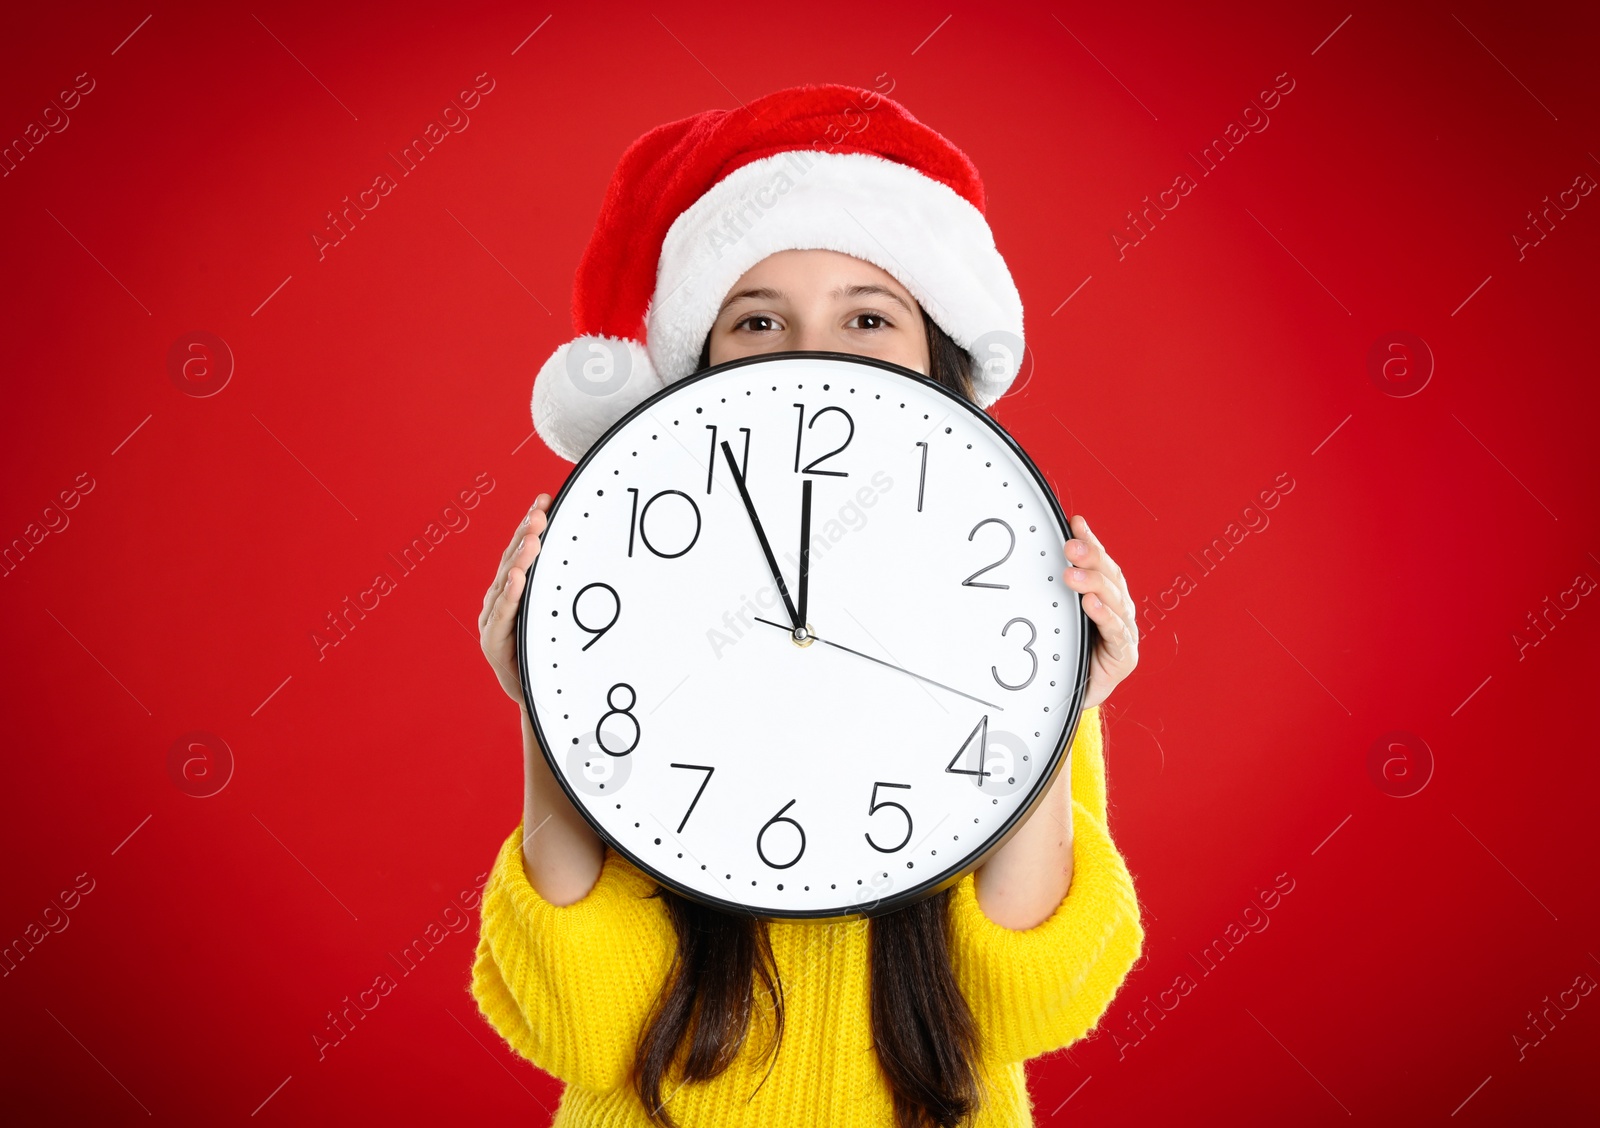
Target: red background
[372, 784]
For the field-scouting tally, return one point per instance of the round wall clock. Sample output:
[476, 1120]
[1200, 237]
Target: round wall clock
[797, 641]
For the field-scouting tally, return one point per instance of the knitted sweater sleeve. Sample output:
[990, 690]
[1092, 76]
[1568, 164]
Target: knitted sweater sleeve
[570, 986]
[1042, 988]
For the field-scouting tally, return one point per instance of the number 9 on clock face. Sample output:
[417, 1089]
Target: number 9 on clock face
[797, 641]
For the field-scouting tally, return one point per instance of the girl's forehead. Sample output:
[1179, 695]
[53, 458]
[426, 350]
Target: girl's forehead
[793, 271]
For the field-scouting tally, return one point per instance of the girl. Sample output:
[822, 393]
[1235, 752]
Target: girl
[731, 234]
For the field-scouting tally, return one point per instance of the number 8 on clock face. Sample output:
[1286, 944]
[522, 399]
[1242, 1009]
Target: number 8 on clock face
[797, 641]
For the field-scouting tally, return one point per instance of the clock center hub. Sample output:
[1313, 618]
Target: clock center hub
[803, 636]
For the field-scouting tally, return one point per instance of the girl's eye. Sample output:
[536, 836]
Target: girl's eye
[882, 321]
[753, 317]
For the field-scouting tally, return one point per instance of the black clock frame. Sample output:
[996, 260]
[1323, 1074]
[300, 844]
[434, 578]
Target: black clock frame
[902, 897]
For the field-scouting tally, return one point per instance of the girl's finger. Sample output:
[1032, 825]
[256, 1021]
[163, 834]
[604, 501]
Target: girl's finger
[512, 550]
[1080, 527]
[1121, 640]
[533, 524]
[1093, 554]
[505, 607]
[521, 552]
[540, 509]
[1085, 553]
[1109, 590]
[520, 559]
[1086, 580]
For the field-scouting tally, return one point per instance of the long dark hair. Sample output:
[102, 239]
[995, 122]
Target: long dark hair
[924, 1032]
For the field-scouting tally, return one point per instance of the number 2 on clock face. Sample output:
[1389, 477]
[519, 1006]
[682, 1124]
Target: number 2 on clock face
[849, 763]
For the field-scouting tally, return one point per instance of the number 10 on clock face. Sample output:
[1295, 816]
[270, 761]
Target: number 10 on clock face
[797, 641]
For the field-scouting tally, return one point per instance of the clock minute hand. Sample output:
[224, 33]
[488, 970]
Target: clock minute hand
[891, 665]
[805, 551]
[761, 535]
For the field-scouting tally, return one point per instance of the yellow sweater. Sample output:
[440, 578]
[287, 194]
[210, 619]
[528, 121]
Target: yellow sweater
[569, 987]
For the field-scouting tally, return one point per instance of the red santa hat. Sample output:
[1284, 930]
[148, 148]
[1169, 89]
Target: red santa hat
[694, 204]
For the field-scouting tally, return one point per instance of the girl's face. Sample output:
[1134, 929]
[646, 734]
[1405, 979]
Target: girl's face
[815, 300]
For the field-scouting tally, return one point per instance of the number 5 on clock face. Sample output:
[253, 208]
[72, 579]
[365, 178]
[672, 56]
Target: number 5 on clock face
[797, 641]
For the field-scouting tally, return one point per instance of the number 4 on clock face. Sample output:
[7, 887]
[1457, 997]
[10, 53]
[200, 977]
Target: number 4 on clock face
[980, 733]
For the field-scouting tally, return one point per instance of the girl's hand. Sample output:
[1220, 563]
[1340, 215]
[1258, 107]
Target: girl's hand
[1106, 600]
[496, 624]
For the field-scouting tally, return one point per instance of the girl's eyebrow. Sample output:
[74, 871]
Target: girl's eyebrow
[860, 289]
[758, 293]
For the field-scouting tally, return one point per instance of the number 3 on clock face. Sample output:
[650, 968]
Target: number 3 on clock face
[797, 641]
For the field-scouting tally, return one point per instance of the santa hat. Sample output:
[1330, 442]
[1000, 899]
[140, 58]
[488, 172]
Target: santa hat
[694, 204]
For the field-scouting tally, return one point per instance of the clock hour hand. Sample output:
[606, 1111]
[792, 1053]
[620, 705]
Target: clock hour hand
[761, 535]
[891, 665]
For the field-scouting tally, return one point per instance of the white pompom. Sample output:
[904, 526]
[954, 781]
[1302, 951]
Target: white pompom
[587, 385]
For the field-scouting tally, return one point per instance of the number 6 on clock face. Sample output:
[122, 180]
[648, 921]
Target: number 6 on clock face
[797, 641]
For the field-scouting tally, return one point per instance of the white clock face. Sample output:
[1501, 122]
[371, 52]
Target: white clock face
[874, 756]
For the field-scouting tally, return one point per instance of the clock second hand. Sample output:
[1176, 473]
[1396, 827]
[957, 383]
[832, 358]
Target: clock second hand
[881, 662]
